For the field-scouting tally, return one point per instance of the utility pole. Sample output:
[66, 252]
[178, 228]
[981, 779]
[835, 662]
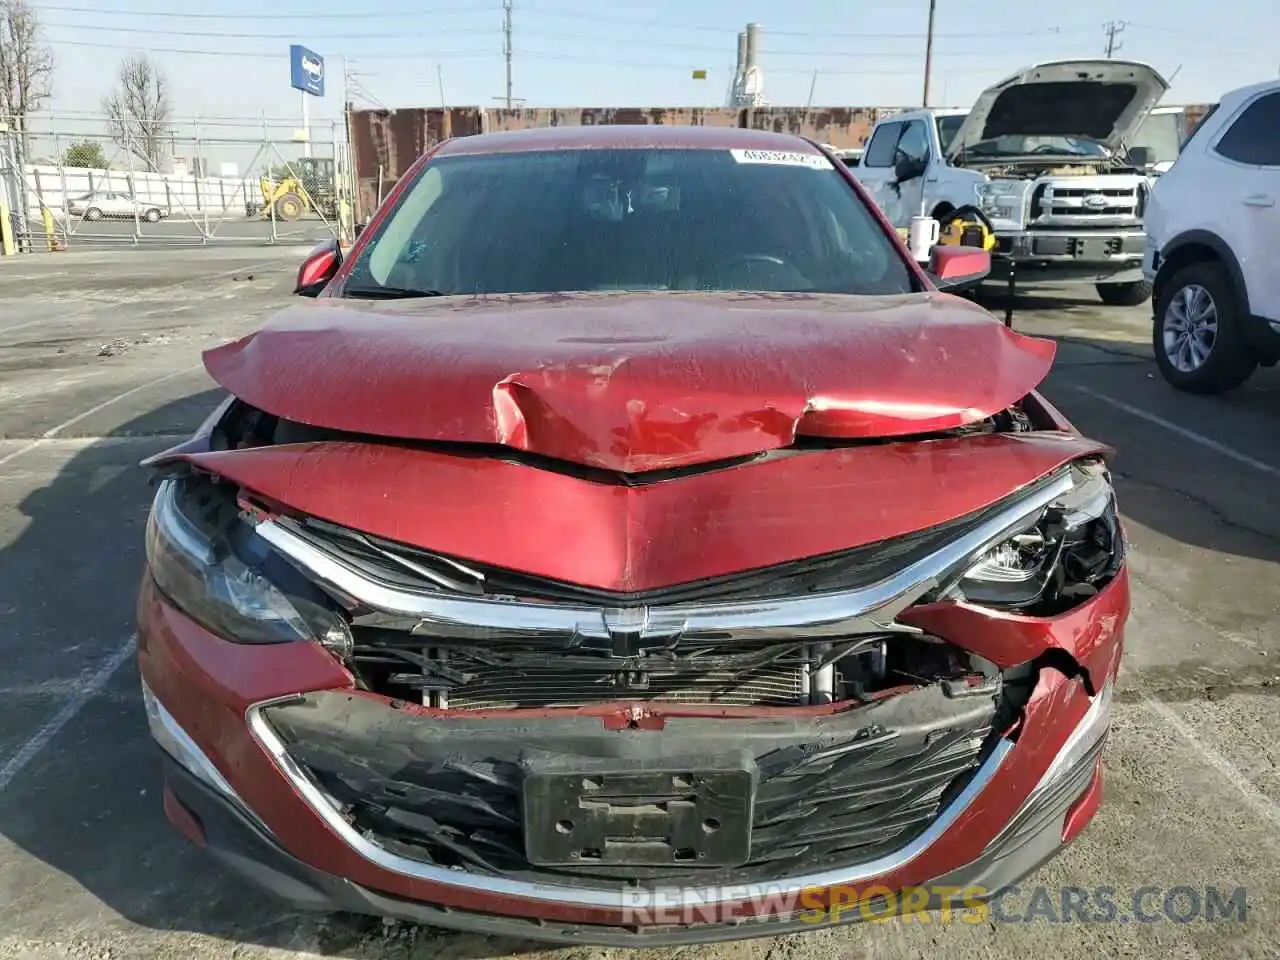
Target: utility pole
[1113, 28]
[506, 44]
[928, 52]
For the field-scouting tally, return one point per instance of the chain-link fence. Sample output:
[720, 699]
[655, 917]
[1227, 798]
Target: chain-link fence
[73, 180]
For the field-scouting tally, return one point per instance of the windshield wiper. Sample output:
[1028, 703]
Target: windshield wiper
[389, 293]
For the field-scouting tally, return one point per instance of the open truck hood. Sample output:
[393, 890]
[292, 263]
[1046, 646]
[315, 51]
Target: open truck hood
[634, 382]
[1101, 100]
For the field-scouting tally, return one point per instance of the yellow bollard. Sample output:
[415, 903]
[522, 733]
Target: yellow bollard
[7, 248]
[47, 215]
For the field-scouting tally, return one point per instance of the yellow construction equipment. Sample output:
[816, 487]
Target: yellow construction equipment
[309, 190]
[967, 227]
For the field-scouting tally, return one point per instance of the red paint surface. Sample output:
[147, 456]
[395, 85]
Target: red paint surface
[1007, 639]
[183, 820]
[635, 382]
[207, 684]
[958, 263]
[626, 137]
[1083, 810]
[633, 538]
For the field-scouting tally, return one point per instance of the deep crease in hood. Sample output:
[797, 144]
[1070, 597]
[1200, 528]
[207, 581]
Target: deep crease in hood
[635, 382]
[1102, 100]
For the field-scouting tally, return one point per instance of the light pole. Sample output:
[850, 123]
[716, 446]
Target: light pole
[928, 52]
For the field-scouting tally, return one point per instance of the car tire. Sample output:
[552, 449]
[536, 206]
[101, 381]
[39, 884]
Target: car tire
[93, 213]
[1198, 335]
[1124, 294]
[152, 215]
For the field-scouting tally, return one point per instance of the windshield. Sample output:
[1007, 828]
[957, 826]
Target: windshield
[1161, 133]
[948, 127]
[629, 219]
[1016, 145]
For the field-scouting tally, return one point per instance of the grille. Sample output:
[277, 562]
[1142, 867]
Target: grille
[830, 793]
[1058, 201]
[549, 673]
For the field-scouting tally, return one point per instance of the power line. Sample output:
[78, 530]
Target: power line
[562, 14]
[507, 44]
[430, 57]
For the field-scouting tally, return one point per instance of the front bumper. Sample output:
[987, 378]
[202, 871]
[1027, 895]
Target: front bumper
[1097, 256]
[257, 813]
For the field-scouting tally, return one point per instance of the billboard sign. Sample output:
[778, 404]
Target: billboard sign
[306, 71]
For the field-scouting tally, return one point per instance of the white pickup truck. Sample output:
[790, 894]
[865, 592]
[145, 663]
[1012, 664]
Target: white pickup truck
[1045, 155]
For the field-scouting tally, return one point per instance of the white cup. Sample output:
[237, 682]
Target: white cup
[922, 236]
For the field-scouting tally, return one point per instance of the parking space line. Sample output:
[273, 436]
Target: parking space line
[1206, 442]
[86, 692]
[53, 432]
[1258, 801]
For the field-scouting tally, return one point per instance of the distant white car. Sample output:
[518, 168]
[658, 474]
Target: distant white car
[1213, 227]
[101, 205]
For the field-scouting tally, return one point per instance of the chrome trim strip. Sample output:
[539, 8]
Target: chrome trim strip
[617, 898]
[1093, 726]
[861, 610]
[177, 743]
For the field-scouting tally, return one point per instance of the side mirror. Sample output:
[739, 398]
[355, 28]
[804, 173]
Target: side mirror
[908, 168]
[359, 229]
[1142, 156]
[318, 268]
[958, 268]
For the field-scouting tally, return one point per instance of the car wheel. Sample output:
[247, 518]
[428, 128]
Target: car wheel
[152, 216]
[1124, 294]
[93, 213]
[1199, 337]
[289, 207]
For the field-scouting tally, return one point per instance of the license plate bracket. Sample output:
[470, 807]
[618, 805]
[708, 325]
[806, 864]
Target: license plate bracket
[690, 813]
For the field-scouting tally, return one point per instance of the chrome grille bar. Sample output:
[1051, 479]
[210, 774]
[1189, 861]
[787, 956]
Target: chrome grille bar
[833, 614]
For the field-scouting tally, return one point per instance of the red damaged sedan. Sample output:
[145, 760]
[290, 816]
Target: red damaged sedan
[628, 543]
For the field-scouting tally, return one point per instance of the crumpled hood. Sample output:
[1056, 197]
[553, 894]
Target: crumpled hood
[1102, 100]
[634, 382]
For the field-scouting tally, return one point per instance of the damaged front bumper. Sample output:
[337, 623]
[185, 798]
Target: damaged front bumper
[1050, 814]
[973, 806]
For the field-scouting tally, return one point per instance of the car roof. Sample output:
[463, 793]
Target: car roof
[626, 137]
[1241, 94]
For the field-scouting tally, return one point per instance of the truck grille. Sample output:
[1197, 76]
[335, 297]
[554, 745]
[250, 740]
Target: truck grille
[830, 791]
[1053, 204]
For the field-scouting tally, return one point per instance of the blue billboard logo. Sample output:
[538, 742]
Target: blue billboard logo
[306, 71]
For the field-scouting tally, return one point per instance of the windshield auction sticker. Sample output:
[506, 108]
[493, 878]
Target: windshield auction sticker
[779, 158]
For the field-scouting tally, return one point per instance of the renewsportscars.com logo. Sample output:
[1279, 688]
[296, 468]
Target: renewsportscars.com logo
[944, 904]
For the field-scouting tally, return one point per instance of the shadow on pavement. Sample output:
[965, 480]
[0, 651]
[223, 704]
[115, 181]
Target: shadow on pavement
[89, 804]
[995, 298]
[1168, 482]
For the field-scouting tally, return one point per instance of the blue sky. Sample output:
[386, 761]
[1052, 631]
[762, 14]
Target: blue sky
[232, 60]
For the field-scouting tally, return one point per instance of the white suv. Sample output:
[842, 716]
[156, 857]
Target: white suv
[1213, 230]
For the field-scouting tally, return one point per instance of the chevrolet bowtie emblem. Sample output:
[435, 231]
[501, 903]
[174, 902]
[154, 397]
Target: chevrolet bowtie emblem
[624, 634]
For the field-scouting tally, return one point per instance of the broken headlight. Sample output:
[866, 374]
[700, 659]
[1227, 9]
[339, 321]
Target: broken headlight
[1073, 550]
[215, 569]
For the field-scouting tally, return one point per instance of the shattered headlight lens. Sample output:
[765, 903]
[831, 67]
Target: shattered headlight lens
[220, 573]
[1072, 552]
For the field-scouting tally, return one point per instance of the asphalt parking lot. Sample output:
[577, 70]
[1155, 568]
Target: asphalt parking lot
[100, 366]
